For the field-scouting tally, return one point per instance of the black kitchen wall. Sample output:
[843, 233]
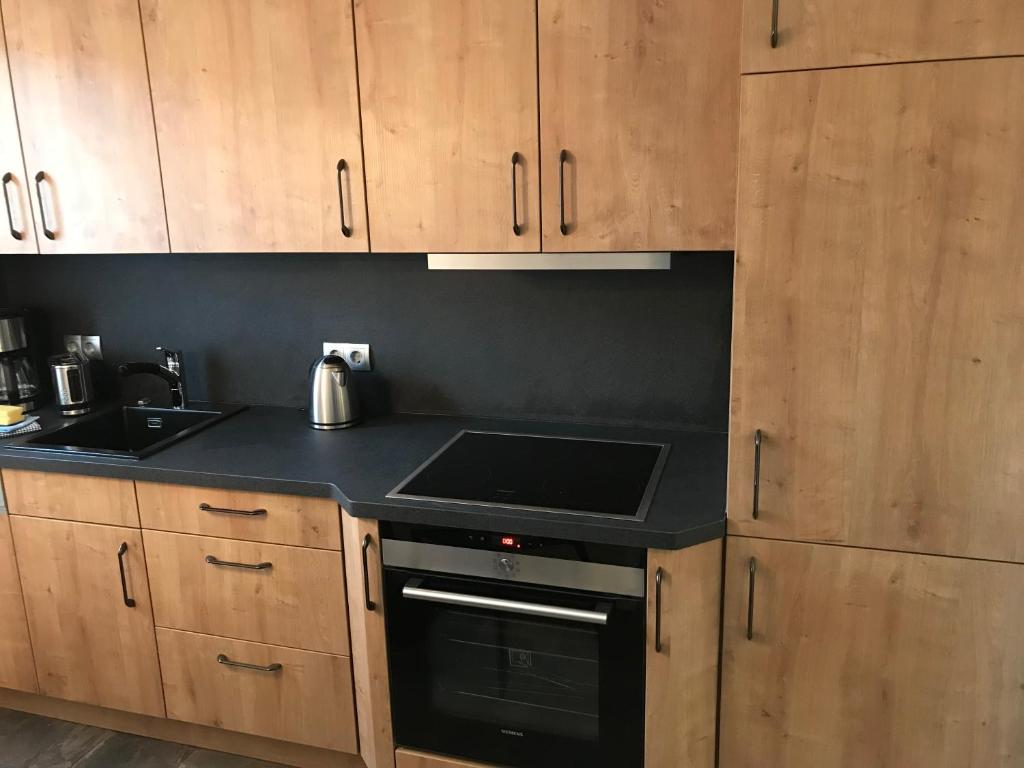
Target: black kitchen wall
[616, 347]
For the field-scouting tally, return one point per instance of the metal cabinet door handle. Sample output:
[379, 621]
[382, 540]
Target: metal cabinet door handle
[657, 609]
[370, 605]
[516, 229]
[222, 659]
[50, 234]
[247, 566]
[757, 474]
[563, 158]
[346, 230]
[225, 511]
[121, 551]
[7, 203]
[775, 24]
[750, 600]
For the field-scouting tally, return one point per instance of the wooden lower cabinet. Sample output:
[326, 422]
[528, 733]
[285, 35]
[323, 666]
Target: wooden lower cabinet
[71, 497]
[269, 691]
[90, 645]
[856, 657]
[408, 758]
[17, 669]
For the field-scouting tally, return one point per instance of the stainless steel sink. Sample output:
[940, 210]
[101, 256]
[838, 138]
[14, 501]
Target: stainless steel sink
[129, 432]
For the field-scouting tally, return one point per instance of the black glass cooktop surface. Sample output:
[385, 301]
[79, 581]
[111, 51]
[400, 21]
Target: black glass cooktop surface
[559, 474]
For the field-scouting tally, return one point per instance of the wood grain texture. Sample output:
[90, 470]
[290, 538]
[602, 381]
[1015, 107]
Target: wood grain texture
[644, 96]
[184, 733]
[256, 101]
[308, 701]
[71, 497]
[879, 308]
[862, 657]
[299, 602]
[839, 33]
[410, 758]
[449, 92]
[297, 520]
[369, 643]
[89, 646]
[682, 680]
[79, 72]
[17, 667]
[13, 162]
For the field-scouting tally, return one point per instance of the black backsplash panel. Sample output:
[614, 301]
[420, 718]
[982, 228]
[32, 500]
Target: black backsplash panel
[640, 348]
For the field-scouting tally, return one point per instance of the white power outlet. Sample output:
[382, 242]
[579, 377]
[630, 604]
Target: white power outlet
[357, 356]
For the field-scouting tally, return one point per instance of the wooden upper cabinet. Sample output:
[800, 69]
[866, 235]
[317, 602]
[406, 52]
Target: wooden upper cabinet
[17, 667]
[256, 108]
[879, 308]
[79, 73]
[838, 33]
[867, 658]
[90, 645]
[643, 97]
[449, 96]
[17, 233]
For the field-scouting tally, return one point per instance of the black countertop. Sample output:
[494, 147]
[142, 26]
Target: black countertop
[271, 449]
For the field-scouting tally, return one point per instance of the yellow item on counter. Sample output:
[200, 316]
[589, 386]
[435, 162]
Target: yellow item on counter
[11, 414]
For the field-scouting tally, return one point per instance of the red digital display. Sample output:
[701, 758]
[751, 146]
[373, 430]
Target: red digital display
[508, 541]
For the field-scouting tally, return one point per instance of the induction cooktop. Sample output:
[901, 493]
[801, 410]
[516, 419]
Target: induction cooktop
[539, 472]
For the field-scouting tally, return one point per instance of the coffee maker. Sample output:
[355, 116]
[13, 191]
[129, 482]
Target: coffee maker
[19, 379]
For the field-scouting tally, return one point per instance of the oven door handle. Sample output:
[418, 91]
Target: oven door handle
[413, 590]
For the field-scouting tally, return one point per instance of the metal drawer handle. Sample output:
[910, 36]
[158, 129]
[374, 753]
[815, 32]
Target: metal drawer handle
[121, 551]
[657, 609]
[413, 591]
[370, 605]
[50, 234]
[775, 24]
[222, 659]
[225, 511]
[563, 157]
[750, 600]
[516, 229]
[346, 230]
[247, 566]
[757, 474]
[8, 178]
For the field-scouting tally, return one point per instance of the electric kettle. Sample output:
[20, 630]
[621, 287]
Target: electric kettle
[333, 403]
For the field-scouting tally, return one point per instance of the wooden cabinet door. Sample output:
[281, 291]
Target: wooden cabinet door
[17, 233]
[840, 33]
[860, 657]
[79, 73]
[879, 308]
[90, 645]
[449, 96]
[256, 107]
[17, 668]
[682, 662]
[643, 96]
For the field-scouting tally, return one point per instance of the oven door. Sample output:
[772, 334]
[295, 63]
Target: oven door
[515, 675]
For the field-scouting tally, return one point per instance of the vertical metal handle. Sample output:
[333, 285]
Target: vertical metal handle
[121, 551]
[657, 609]
[346, 230]
[750, 600]
[757, 474]
[563, 157]
[7, 202]
[40, 177]
[370, 605]
[775, 24]
[516, 229]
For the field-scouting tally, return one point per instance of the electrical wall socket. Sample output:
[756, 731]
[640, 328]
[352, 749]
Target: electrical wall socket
[357, 356]
[90, 347]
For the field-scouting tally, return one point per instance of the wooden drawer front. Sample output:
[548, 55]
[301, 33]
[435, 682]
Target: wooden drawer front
[279, 519]
[307, 700]
[407, 758]
[71, 497]
[298, 601]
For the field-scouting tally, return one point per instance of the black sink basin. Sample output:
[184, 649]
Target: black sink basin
[131, 432]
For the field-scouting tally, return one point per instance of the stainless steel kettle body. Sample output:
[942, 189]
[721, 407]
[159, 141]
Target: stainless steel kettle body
[333, 403]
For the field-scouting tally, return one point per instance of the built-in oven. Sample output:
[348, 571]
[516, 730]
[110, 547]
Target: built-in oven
[518, 651]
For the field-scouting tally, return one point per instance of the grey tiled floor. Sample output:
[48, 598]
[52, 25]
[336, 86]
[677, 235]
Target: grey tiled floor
[29, 741]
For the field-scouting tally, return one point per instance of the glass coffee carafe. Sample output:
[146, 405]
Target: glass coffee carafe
[19, 380]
